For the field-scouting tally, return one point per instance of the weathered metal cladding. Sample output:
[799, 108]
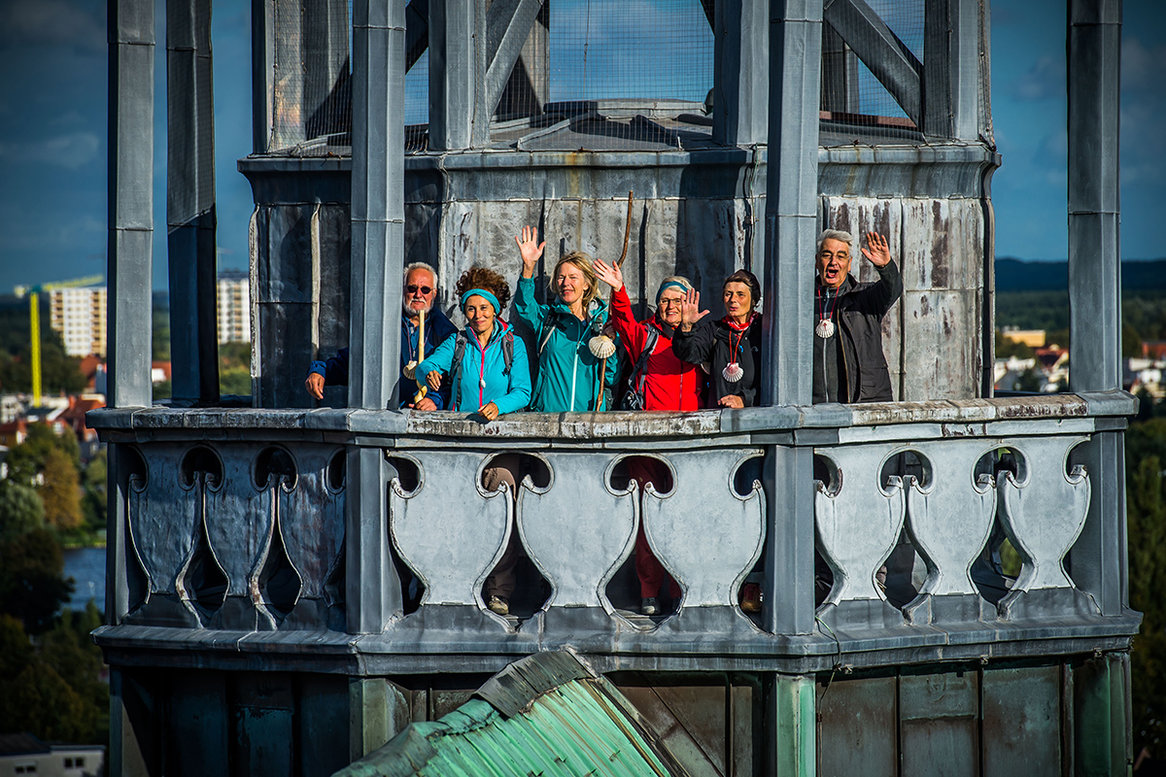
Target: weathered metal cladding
[301, 279]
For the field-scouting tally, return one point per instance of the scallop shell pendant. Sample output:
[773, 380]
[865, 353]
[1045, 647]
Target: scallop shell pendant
[601, 346]
[824, 329]
[482, 382]
[733, 372]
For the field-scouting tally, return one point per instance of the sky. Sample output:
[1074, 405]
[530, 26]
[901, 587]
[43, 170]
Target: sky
[53, 135]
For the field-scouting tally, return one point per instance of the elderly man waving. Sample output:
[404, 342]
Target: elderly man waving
[849, 365]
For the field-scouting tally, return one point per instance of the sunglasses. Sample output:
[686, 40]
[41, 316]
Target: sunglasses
[413, 288]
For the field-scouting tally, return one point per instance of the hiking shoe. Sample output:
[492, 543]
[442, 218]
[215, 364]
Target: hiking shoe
[498, 605]
[649, 606]
[751, 598]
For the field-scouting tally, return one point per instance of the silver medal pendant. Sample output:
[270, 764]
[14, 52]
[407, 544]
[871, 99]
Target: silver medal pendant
[824, 329]
[733, 372]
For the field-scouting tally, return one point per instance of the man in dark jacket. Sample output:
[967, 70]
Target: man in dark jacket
[849, 365]
[420, 289]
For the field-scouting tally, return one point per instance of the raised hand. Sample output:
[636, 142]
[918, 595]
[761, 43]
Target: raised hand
[530, 250]
[433, 379]
[690, 311]
[876, 250]
[609, 274]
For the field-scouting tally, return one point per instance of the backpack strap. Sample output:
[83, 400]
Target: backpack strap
[455, 368]
[640, 370]
[507, 350]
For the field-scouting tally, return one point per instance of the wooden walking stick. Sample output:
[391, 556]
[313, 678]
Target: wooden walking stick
[601, 345]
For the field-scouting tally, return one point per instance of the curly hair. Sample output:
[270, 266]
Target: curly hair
[478, 277]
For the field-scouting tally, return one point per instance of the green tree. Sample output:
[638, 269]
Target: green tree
[31, 586]
[27, 460]
[21, 510]
[94, 503]
[1146, 526]
[61, 491]
[1030, 380]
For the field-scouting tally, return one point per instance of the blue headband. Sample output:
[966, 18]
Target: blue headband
[670, 285]
[484, 295]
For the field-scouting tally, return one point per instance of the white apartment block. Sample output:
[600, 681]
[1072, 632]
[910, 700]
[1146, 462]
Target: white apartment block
[234, 307]
[79, 316]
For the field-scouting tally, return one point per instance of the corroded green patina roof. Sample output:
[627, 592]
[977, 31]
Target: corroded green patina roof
[543, 716]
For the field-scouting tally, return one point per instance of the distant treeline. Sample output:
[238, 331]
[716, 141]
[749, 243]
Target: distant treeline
[1034, 295]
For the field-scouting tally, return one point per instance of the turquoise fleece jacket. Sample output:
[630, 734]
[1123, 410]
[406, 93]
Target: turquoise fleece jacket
[508, 391]
[568, 373]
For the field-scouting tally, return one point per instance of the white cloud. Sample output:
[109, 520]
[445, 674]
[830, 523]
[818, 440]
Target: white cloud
[71, 151]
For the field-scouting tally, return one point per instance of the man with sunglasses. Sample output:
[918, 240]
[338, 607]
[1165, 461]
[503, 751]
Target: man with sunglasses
[420, 288]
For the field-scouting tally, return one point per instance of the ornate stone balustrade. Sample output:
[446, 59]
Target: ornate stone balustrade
[235, 525]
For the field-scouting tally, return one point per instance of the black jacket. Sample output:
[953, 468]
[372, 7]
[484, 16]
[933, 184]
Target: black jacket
[708, 345]
[858, 316]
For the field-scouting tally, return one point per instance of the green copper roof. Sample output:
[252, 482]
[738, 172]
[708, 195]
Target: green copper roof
[546, 716]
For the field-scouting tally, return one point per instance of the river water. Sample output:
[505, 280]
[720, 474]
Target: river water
[87, 568]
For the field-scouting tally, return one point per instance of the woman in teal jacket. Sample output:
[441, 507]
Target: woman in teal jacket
[488, 373]
[493, 376]
[569, 374]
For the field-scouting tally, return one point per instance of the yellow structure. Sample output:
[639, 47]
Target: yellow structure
[1033, 338]
[34, 293]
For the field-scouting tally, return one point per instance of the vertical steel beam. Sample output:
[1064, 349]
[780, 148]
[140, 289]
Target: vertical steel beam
[262, 73]
[1098, 561]
[190, 201]
[457, 75]
[740, 72]
[954, 59]
[377, 712]
[129, 269]
[791, 725]
[378, 249]
[839, 74]
[791, 225]
[131, 201]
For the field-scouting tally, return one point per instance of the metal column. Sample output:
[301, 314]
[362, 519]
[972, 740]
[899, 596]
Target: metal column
[378, 216]
[1098, 560]
[791, 225]
[190, 201]
[457, 71]
[954, 70]
[131, 234]
[740, 72]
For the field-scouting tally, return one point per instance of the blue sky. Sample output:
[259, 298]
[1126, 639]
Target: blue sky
[53, 132]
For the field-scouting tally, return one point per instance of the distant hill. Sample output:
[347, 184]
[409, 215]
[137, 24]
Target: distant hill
[1019, 275]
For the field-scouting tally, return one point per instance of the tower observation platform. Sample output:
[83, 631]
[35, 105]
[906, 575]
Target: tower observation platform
[292, 583]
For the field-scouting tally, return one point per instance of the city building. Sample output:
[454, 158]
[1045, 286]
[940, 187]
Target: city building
[78, 315]
[24, 754]
[233, 299]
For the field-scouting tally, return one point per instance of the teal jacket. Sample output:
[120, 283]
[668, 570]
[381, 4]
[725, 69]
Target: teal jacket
[568, 373]
[509, 389]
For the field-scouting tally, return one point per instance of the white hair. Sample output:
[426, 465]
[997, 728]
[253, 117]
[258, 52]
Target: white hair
[420, 266]
[835, 234]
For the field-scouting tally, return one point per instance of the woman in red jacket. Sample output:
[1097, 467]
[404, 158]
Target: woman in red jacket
[661, 381]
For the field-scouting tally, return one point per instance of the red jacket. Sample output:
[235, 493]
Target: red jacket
[671, 384]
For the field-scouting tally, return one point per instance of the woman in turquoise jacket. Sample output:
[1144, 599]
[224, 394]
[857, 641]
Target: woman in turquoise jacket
[569, 373]
[493, 376]
[488, 373]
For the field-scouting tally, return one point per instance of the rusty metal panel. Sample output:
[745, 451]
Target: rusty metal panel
[690, 721]
[198, 740]
[1022, 719]
[744, 725]
[939, 726]
[263, 716]
[322, 722]
[856, 727]
[941, 345]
